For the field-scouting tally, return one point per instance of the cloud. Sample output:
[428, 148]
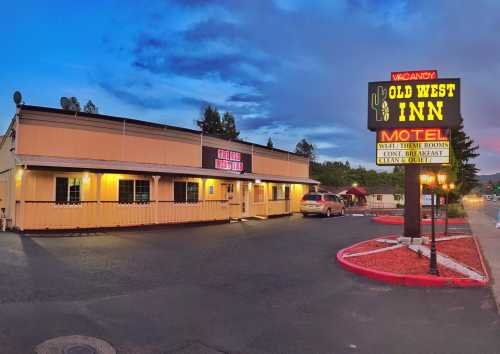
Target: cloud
[300, 69]
[244, 97]
[132, 98]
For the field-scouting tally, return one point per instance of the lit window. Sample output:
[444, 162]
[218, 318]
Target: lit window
[68, 190]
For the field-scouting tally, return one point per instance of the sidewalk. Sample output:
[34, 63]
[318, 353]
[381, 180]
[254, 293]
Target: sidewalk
[483, 227]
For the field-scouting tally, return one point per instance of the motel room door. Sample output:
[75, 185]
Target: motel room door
[245, 200]
[287, 199]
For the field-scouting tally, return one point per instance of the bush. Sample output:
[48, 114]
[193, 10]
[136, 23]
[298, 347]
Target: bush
[399, 205]
[456, 211]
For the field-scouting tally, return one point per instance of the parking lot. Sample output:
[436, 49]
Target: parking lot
[268, 286]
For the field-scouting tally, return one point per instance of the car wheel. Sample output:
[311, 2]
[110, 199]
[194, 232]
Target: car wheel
[328, 213]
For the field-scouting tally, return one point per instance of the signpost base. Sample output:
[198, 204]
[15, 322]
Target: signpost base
[412, 201]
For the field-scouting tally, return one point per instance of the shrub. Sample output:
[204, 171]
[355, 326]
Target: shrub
[456, 211]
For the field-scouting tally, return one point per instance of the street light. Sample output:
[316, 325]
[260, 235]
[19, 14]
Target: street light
[447, 188]
[429, 179]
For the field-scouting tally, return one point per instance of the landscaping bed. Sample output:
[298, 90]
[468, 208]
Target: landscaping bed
[459, 261]
[399, 220]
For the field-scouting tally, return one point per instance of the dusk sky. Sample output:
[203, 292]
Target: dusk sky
[286, 69]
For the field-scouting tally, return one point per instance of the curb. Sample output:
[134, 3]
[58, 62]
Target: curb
[410, 279]
[397, 220]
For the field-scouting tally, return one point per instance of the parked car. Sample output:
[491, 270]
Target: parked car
[326, 204]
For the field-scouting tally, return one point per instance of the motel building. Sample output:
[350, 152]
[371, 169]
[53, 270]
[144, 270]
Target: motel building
[67, 170]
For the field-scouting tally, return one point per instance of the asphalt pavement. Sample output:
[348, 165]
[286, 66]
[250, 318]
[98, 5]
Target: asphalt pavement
[268, 286]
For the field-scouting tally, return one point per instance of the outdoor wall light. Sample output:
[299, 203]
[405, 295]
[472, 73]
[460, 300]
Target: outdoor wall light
[257, 181]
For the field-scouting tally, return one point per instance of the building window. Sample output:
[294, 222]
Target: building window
[397, 197]
[258, 193]
[227, 190]
[130, 191]
[142, 191]
[192, 192]
[186, 192]
[68, 190]
[275, 193]
[379, 197]
[126, 191]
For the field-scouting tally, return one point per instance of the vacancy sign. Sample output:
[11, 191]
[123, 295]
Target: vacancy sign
[414, 75]
[421, 146]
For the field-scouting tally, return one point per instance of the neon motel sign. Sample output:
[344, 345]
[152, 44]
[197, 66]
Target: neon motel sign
[228, 160]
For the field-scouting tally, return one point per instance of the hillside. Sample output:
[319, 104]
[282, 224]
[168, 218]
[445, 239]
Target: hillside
[486, 178]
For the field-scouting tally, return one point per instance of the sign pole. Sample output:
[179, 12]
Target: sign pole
[412, 201]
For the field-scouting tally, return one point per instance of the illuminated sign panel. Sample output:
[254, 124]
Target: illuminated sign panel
[414, 104]
[414, 75]
[412, 146]
[222, 159]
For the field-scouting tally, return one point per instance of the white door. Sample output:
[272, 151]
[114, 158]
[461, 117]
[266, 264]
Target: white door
[245, 200]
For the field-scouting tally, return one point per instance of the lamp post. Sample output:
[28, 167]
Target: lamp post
[430, 180]
[447, 188]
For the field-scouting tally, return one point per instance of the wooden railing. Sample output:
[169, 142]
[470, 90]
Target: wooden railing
[279, 207]
[36, 215]
[259, 208]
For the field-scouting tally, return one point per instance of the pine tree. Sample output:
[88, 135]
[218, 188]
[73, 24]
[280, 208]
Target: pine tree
[210, 122]
[229, 130]
[70, 104]
[270, 143]
[463, 151]
[305, 149]
[90, 107]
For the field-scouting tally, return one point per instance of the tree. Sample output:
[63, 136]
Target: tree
[90, 107]
[71, 104]
[305, 149]
[210, 122]
[463, 151]
[229, 130]
[270, 143]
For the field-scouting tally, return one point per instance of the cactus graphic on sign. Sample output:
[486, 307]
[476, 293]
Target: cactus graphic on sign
[379, 104]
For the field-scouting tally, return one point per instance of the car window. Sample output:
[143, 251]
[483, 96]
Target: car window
[312, 197]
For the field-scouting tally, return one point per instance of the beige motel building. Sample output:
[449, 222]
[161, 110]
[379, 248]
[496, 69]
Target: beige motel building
[66, 170]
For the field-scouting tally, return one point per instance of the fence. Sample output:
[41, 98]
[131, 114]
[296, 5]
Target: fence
[36, 215]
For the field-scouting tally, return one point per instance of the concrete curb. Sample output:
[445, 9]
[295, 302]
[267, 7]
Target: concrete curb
[399, 220]
[409, 279]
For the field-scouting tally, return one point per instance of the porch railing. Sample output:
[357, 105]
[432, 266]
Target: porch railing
[278, 207]
[36, 215]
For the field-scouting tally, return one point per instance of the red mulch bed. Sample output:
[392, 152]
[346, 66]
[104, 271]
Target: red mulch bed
[368, 246]
[399, 220]
[401, 261]
[463, 250]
